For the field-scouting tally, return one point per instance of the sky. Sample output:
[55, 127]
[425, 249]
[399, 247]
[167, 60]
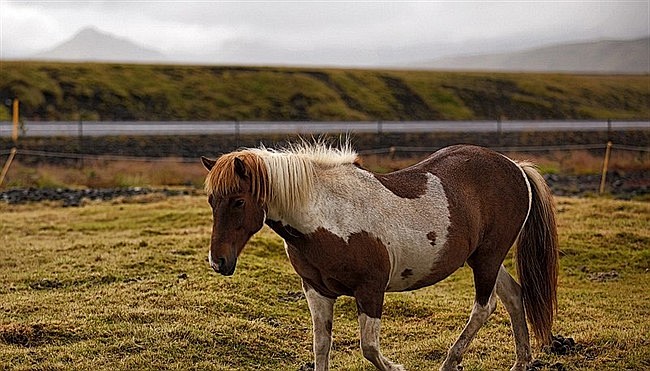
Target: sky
[320, 32]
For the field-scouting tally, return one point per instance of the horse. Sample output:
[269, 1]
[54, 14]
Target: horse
[349, 231]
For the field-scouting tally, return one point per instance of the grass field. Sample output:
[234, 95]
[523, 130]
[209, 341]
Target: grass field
[125, 285]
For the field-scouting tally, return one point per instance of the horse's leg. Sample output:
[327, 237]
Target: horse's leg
[322, 312]
[509, 292]
[370, 307]
[484, 306]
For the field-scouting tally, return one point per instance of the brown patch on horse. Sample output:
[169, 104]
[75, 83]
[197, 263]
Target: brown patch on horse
[432, 237]
[483, 216]
[407, 273]
[405, 184]
[358, 267]
[228, 171]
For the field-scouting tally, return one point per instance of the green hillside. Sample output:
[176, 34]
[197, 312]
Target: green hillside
[64, 91]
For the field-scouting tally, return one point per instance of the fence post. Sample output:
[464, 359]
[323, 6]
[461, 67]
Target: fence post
[609, 130]
[380, 130]
[603, 177]
[14, 138]
[80, 133]
[236, 134]
[499, 129]
[14, 132]
[5, 169]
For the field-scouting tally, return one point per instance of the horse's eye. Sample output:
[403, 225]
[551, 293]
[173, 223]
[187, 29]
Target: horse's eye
[238, 203]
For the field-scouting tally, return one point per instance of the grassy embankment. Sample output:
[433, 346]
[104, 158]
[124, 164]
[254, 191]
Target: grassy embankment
[123, 286]
[66, 91]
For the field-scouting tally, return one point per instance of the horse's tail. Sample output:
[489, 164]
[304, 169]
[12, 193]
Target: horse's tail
[537, 257]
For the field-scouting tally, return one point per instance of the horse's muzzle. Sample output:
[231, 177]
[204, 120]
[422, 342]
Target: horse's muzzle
[222, 266]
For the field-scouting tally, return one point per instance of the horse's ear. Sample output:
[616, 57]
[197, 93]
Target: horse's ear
[207, 163]
[240, 168]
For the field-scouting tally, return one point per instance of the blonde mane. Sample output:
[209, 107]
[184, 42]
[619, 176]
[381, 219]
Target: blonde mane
[282, 179]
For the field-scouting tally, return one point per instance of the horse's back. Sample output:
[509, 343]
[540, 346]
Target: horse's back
[477, 176]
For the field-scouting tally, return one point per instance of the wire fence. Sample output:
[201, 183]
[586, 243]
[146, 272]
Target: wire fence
[81, 156]
[389, 151]
[377, 151]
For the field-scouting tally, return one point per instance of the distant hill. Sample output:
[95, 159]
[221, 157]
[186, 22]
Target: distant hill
[614, 56]
[104, 91]
[90, 44]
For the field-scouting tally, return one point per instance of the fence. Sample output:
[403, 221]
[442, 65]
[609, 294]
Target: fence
[236, 128]
[391, 151]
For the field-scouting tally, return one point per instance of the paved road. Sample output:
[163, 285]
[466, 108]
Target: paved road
[104, 128]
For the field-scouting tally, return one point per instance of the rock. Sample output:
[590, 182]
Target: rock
[603, 276]
[561, 346]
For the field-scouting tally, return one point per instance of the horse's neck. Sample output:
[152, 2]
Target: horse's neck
[334, 191]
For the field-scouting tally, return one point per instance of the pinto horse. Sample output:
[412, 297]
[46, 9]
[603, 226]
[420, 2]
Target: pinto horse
[348, 231]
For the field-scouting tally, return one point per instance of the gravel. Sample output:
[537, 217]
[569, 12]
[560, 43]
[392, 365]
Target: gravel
[619, 185]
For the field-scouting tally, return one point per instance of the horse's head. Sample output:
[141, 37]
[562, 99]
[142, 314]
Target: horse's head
[237, 190]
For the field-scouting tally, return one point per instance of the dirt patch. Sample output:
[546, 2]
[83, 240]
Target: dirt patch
[37, 334]
[292, 296]
[45, 284]
[603, 276]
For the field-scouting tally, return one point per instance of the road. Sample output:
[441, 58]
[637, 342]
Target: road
[106, 128]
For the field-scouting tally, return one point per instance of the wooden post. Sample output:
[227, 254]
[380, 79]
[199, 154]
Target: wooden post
[5, 169]
[608, 152]
[14, 137]
[80, 141]
[14, 133]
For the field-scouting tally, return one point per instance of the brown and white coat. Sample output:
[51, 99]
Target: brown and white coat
[348, 231]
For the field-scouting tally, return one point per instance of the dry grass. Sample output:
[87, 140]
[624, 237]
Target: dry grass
[120, 286]
[575, 162]
[107, 174]
[185, 172]
[581, 162]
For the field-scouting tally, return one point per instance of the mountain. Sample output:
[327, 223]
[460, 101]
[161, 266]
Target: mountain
[608, 56]
[90, 44]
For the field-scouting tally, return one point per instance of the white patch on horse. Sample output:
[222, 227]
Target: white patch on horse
[370, 328]
[214, 266]
[348, 200]
[322, 313]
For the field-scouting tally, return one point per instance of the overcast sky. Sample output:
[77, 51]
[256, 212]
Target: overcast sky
[323, 32]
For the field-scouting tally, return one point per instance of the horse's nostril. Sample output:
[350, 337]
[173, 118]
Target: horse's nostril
[221, 262]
